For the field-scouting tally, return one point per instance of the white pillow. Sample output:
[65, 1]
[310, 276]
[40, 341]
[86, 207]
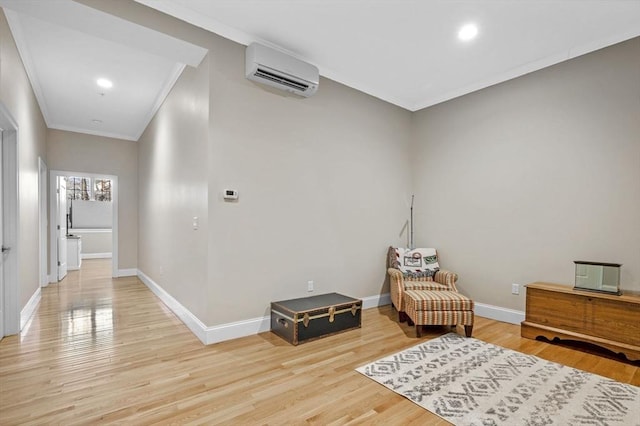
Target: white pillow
[417, 260]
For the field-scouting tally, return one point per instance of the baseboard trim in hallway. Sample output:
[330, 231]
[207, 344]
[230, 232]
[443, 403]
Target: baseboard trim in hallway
[248, 327]
[30, 308]
[232, 330]
[191, 321]
[132, 272]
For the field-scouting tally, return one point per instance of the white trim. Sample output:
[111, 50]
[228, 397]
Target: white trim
[91, 230]
[93, 132]
[13, 19]
[498, 313]
[42, 223]
[131, 272]
[248, 327]
[236, 329]
[166, 88]
[375, 301]
[53, 211]
[191, 321]
[115, 192]
[101, 256]
[231, 330]
[30, 308]
[11, 217]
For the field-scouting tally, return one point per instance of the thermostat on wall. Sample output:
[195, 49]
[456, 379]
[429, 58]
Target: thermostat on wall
[230, 194]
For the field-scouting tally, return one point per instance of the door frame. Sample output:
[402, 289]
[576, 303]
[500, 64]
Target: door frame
[53, 219]
[61, 241]
[11, 209]
[42, 221]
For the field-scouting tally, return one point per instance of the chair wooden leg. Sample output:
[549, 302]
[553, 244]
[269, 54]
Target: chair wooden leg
[402, 316]
[468, 329]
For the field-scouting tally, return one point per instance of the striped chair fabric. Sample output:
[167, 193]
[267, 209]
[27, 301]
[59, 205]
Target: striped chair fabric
[437, 300]
[429, 300]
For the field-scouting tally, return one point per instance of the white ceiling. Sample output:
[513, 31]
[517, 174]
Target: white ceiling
[66, 47]
[405, 52]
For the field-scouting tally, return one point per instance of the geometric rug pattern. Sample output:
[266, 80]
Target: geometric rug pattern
[470, 382]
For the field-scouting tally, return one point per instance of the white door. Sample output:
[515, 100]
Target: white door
[62, 227]
[3, 247]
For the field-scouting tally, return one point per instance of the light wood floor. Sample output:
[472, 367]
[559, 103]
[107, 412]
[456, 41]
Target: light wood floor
[102, 350]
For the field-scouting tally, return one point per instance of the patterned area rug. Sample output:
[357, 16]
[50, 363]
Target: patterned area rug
[469, 382]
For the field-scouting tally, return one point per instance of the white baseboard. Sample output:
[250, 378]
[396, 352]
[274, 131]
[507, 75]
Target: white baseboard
[499, 314]
[375, 301]
[191, 321]
[232, 330]
[248, 327]
[96, 255]
[132, 272]
[30, 308]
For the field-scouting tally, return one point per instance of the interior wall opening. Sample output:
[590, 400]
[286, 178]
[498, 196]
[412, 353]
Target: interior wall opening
[84, 220]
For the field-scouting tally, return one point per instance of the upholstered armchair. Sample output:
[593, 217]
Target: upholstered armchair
[426, 292]
[399, 281]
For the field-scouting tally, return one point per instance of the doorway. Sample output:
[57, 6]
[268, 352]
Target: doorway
[9, 291]
[58, 220]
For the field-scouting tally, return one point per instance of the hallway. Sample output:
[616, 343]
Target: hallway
[93, 344]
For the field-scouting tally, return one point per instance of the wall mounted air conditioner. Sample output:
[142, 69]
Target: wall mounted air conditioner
[276, 69]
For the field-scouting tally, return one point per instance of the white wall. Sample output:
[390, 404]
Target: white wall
[515, 182]
[17, 96]
[77, 152]
[91, 213]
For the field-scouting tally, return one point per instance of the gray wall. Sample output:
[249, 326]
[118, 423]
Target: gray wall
[323, 186]
[505, 181]
[95, 242]
[172, 165]
[77, 152]
[515, 182]
[17, 96]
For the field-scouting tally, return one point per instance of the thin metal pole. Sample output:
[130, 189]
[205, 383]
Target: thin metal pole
[411, 222]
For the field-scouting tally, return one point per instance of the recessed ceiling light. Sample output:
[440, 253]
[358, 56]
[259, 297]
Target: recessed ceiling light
[468, 32]
[104, 83]
[96, 121]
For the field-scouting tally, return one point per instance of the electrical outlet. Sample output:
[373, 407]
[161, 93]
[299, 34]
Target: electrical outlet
[309, 285]
[515, 288]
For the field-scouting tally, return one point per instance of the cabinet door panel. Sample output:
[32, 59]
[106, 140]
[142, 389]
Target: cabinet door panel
[557, 310]
[616, 321]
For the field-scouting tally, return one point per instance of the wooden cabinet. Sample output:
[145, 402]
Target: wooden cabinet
[559, 312]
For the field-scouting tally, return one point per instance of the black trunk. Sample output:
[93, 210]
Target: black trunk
[309, 318]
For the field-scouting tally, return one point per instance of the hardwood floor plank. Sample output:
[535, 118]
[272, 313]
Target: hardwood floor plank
[103, 350]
